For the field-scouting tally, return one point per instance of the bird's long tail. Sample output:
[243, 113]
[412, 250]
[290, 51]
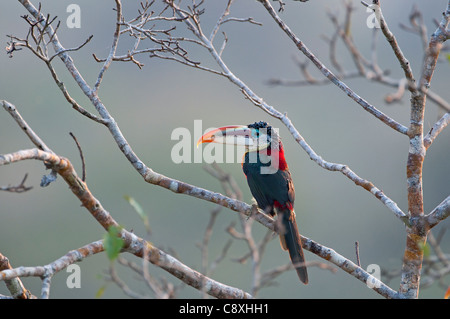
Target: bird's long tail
[290, 241]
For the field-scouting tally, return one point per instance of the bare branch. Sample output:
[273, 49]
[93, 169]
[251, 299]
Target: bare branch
[162, 290]
[11, 109]
[220, 21]
[268, 277]
[14, 285]
[395, 47]
[397, 96]
[47, 271]
[441, 212]
[172, 45]
[375, 74]
[113, 48]
[137, 246]
[436, 42]
[11, 47]
[41, 52]
[71, 49]
[179, 187]
[358, 262]
[417, 234]
[18, 188]
[349, 267]
[133, 244]
[83, 164]
[256, 100]
[344, 33]
[418, 26]
[223, 19]
[312, 81]
[437, 128]
[327, 73]
[122, 285]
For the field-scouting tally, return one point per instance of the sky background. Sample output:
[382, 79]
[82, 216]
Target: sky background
[43, 224]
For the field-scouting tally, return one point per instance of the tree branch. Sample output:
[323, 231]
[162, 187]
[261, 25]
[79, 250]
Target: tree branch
[11, 109]
[417, 234]
[394, 44]
[113, 48]
[143, 249]
[256, 100]
[441, 212]
[437, 128]
[180, 187]
[350, 267]
[133, 244]
[139, 247]
[15, 285]
[334, 79]
[17, 189]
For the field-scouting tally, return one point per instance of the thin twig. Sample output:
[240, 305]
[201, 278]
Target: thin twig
[11, 109]
[358, 262]
[83, 164]
[18, 188]
[395, 46]
[113, 48]
[438, 214]
[71, 49]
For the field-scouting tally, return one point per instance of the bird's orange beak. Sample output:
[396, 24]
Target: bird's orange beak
[232, 134]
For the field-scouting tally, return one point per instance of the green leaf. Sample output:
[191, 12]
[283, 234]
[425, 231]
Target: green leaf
[448, 57]
[100, 292]
[138, 208]
[112, 243]
[425, 249]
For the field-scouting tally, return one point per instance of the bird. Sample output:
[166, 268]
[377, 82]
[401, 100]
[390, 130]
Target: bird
[269, 179]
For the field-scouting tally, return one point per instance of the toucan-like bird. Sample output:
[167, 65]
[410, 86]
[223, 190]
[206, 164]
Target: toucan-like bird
[269, 179]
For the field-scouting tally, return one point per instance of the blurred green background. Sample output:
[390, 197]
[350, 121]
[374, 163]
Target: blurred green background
[43, 224]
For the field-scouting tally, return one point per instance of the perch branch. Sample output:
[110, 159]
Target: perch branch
[256, 100]
[138, 246]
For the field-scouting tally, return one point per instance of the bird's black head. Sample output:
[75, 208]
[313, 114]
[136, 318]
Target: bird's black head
[260, 129]
[261, 125]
